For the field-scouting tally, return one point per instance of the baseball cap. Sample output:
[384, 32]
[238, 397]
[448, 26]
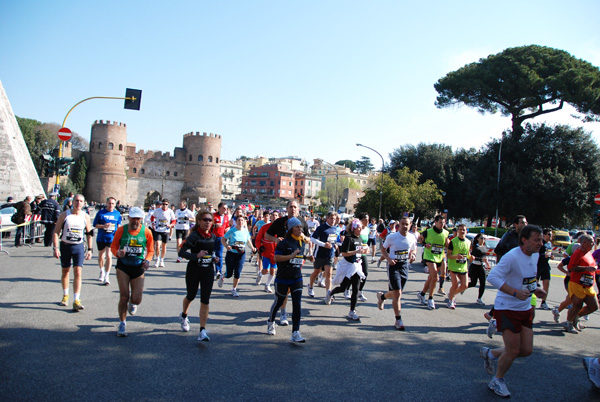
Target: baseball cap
[136, 212]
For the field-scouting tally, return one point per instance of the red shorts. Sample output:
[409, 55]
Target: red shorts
[513, 320]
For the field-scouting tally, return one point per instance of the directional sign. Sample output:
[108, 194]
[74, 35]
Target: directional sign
[64, 134]
[597, 199]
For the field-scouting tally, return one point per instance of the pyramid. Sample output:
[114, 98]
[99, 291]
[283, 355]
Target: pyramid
[18, 177]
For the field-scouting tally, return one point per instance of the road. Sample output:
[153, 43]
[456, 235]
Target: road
[53, 354]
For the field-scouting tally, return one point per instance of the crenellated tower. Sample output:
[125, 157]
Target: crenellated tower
[202, 167]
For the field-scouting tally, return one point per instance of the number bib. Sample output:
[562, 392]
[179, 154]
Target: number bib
[204, 262]
[587, 280]
[332, 238]
[162, 224]
[401, 255]
[461, 260]
[133, 251]
[436, 249]
[529, 284]
[75, 235]
[297, 261]
[182, 221]
[110, 228]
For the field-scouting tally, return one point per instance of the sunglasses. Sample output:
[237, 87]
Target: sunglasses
[207, 219]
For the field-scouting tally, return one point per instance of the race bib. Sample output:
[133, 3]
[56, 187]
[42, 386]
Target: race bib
[587, 280]
[162, 223]
[297, 261]
[529, 284]
[332, 238]
[182, 221]
[110, 228]
[436, 249]
[204, 262]
[75, 235]
[401, 255]
[461, 260]
[133, 251]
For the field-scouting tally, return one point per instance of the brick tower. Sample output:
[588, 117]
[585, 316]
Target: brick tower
[202, 168]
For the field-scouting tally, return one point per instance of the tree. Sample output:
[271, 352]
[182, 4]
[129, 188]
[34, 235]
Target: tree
[347, 163]
[328, 193]
[364, 165]
[79, 173]
[38, 139]
[524, 82]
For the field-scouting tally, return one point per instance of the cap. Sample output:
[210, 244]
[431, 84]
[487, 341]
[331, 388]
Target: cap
[53, 194]
[293, 222]
[392, 222]
[355, 224]
[136, 212]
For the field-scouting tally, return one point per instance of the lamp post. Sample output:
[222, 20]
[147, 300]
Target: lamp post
[498, 185]
[336, 184]
[382, 166]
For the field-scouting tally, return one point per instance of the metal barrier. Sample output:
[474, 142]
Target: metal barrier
[32, 231]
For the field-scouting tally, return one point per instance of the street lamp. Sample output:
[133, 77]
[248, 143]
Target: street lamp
[498, 185]
[336, 184]
[382, 165]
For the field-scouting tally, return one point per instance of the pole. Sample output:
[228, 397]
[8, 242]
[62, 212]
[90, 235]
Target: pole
[381, 186]
[336, 185]
[498, 185]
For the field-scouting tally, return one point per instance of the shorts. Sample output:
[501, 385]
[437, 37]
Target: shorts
[437, 264]
[398, 275]
[101, 245]
[181, 233]
[566, 282]
[161, 236]
[267, 264]
[131, 271]
[543, 273]
[371, 242]
[458, 273]
[320, 263]
[514, 321]
[71, 252]
[580, 291]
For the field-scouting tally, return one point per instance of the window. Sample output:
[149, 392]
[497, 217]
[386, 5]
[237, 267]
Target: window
[99, 145]
[134, 170]
[175, 174]
[110, 146]
[262, 183]
[272, 183]
[210, 158]
[143, 171]
[216, 160]
[120, 147]
[190, 157]
[200, 158]
[253, 182]
[168, 173]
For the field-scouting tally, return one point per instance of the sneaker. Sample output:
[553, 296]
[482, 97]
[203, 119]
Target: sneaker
[568, 327]
[328, 297]
[311, 292]
[491, 329]
[422, 299]
[592, 371]
[77, 305]
[65, 300]
[556, 314]
[362, 297]
[203, 336]
[487, 316]
[258, 279]
[381, 300]
[220, 281]
[322, 282]
[157, 263]
[271, 327]
[178, 259]
[488, 363]
[235, 293]
[122, 331]
[185, 323]
[106, 280]
[426, 269]
[372, 262]
[162, 262]
[430, 304]
[449, 304]
[169, 238]
[479, 301]
[585, 318]
[283, 321]
[441, 291]
[579, 326]
[347, 295]
[132, 308]
[378, 263]
[399, 325]
[544, 306]
[498, 385]
[296, 337]
[101, 276]
[268, 289]
[353, 316]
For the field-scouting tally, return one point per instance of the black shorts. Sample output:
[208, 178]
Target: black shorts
[320, 263]
[161, 236]
[101, 245]
[437, 264]
[543, 273]
[131, 271]
[398, 275]
[371, 242]
[181, 233]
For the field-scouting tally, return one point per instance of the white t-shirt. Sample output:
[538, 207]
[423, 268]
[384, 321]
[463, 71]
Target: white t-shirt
[400, 246]
[183, 219]
[162, 219]
[518, 271]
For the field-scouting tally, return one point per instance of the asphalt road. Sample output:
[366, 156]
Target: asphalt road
[50, 353]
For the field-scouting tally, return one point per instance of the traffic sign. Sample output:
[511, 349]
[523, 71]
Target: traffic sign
[597, 199]
[64, 134]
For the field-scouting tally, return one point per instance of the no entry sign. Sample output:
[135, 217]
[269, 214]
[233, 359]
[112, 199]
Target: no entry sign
[597, 199]
[64, 134]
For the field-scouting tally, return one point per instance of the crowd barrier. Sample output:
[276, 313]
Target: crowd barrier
[33, 231]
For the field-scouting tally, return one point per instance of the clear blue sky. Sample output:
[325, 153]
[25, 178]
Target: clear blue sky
[275, 78]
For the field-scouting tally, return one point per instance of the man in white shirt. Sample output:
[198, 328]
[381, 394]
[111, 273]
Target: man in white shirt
[163, 219]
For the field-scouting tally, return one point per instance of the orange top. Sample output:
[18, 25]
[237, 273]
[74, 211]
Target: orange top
[114, 246]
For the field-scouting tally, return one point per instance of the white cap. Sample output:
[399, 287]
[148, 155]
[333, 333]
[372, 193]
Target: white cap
[136, 212]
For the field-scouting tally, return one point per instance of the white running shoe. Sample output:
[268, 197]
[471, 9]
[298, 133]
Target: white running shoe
[544, 306]
[122, 331]
[347, 294]
[422, 299]
[220, 281]
[353, 316]
[430, 304]
[311, 291]
[491, 329]
[185, 323]
[296, 337]
[283, 321]
[479, 301]
[106, 281]
[203, 336]
[235, 293]
[322, 282]
[380, 300]
[488, 363]
[132, 308]
[399, 325]
[498, 385]
[271, 327]
[328, 297]
[101, 276]
[592, 370]
[258, 279]
[157, 263]
[451, 304]
[556, 315]
[268, 289]
[162, 262]
[362, 297]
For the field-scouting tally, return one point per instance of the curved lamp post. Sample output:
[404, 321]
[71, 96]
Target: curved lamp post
[382, 165]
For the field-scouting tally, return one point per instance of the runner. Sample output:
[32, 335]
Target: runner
[74, 225]
[199, 249]
[107, 220]
[403, 251]
[267, 252]
[290, 254]
[477, 268]
[133, 246]
[514, 277]
[372, 241]
[266, 218]
[235, 241]
[434, 240]
[363, 217]
[581, 286]
[459, 254]
[182, 226]
[221, 224]
[164, 219]
[324, 238]
[543, 272]
[50, 213]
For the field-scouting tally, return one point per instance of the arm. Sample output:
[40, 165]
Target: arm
[88, 234]
[116, 243]
[149, 247]
[56, 234]
[281, 257]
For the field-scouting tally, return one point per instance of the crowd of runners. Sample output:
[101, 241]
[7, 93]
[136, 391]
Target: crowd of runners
[339, 253]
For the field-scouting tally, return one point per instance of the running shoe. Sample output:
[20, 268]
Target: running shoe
[311, 291]
[422, 299]
[178, 259]
[544, 306]
[556, 314]
[283, 321]
[101, 276]
[162, 262]
[235, 293]
[185, 323]
[378, 263]
[487, 316]
[579, 326]
[271, 327]
[77, 305]
[258, 279]
[381, 300]
[220, 281]
[65, 300]
[132, 308]
[430, 304]
[122, 331]
[372, 262]
[322, 282]
[488, 362]
[479, 301]
[491, 329]
[268, 289]
[399, 325]
[585, 318]
[203, 336]
[592, 370]
[498, 385]
[441, 291]
[157, 263]
[451, 304]
[362, 297]
[353, 316]
[347, 294]
[106, 280]
[296, 337]
[328, 297]
[568, 327]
